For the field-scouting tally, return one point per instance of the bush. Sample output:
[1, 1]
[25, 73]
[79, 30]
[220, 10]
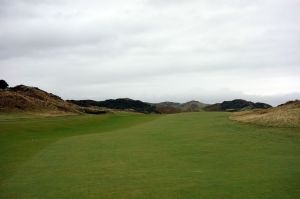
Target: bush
[3, 84]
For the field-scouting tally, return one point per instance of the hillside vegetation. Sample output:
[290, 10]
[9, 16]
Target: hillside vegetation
[236, 105]
[173, 107]
[119, 104]
[143, 107]
[31, 99]
[285, 115]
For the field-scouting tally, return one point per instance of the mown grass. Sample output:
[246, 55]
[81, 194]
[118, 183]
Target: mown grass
[191, 155]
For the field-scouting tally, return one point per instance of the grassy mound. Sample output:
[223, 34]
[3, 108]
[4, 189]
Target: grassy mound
[173, 107]
[31, 99]
[286, 115]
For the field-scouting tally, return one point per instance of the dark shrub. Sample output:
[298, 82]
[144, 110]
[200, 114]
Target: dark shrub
[3, 84]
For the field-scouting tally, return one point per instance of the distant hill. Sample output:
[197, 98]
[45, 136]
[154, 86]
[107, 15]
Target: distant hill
[120, 104]
[193, 106]
[143, 107]
[236, 105]
[173, 107]
[284, 115]
[167, 107]
[31, 99]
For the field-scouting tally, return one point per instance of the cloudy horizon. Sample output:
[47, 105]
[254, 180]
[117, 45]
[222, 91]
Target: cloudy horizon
[152, 50]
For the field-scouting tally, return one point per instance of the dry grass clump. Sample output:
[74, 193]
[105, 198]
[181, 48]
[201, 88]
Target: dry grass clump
[30, 99]
[285, 115]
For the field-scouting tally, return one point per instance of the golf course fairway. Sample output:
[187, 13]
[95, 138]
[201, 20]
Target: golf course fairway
[126, 155]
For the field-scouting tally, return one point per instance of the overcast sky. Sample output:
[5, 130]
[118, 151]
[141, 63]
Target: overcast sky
[153, 50]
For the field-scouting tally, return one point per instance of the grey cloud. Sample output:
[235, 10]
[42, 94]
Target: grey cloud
[150, 49]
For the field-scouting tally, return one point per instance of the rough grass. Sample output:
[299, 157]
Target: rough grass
[287, 115]
[30, 99]
[191, 155]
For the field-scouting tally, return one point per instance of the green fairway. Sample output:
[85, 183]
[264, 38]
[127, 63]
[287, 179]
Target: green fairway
[122, 155]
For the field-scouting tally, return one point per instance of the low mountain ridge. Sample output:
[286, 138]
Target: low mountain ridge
[236, 105]
[120, 104]
[143, 107]
[193, 106]
[32, 99]
[174, 107]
